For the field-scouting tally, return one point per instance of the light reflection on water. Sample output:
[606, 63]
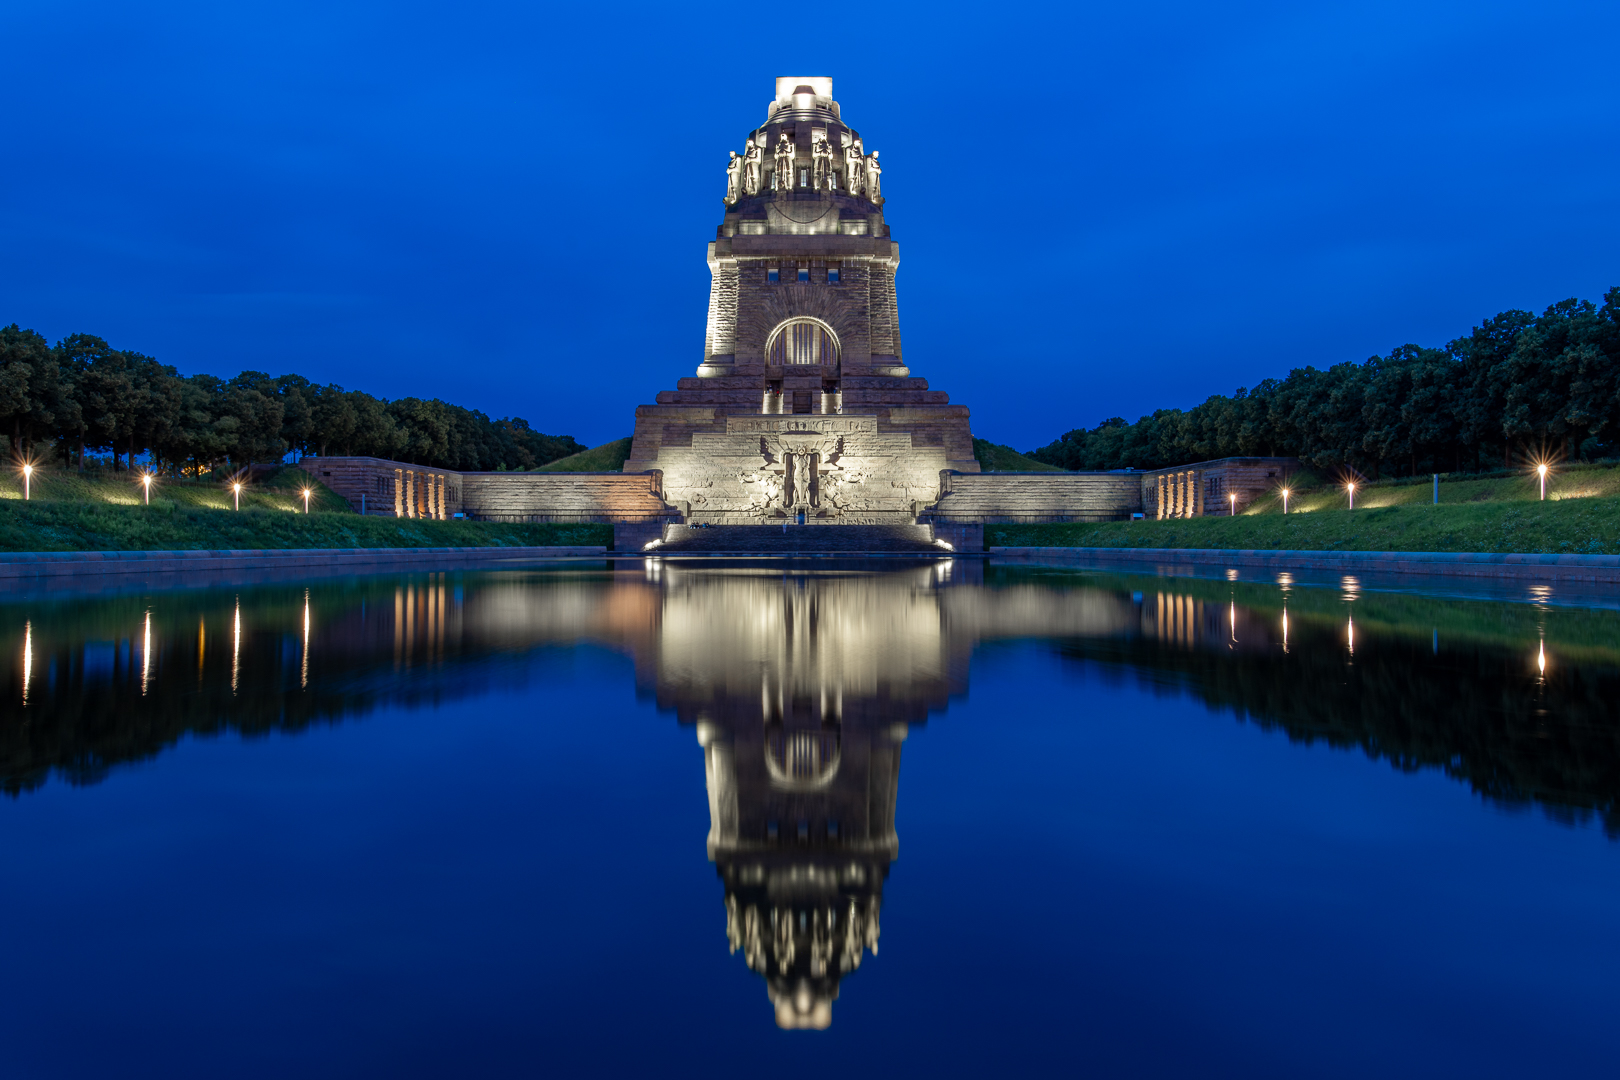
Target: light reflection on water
[801, 689]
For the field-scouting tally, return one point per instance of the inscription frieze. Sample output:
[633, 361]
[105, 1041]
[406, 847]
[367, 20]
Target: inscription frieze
[810, 425]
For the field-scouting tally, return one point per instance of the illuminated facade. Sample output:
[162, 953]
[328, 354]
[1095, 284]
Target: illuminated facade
[803, 405]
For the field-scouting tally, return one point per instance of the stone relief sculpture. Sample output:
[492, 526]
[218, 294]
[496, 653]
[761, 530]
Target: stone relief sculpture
[802, 472]
[733, 177]
[821, 156]
[753, 168]
[873, 183]
[854, 170]
[783, 177]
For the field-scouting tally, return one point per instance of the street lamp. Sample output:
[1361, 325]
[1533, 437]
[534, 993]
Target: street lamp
[306, 500]
[1285, 500]
[1231, 498]
[146, 483]
[1541, 471]
[28, 476]
[236, 493]
[1351, 488]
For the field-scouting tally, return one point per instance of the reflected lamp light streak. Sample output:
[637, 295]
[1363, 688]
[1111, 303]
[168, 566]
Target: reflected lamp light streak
[146, 652]
[28, 659]
[236, 645]
[303, 682]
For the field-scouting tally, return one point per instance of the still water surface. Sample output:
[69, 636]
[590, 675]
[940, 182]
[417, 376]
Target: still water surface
[611, 819]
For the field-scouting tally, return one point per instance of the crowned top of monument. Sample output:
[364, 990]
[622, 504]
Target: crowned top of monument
[803, 94]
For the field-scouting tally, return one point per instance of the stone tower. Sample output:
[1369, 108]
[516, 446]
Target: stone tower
[803, 407]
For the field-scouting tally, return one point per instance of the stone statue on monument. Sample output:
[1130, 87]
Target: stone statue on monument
[821, 156]
[874, 188]
[784, 163]
[753, 166]
[733, 177]
[854, 169]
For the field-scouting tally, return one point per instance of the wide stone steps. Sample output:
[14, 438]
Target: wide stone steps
[799, 539]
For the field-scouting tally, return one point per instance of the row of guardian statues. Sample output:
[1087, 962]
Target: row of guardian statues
[745, 172]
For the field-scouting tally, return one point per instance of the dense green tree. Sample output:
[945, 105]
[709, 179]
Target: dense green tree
[1517, 384]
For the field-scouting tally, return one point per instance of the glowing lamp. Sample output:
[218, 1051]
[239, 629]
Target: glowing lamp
[146, 485]
[1541, 471]
[306, 500]
[1285, 500]
[1351, 488]
[236, 493]
[28, 476]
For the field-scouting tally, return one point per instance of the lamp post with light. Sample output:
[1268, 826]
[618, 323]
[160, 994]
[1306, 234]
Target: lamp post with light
[236, 493]
[1231, 499]
[1351, 488]
[28, 476]
[1285, 500]
[1541, 471]
[146, 484]
[306, 500]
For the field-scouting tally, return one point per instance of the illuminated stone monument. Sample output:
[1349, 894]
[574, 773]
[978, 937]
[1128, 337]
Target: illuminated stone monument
[802, 406]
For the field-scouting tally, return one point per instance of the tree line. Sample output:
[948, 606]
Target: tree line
[1518, 385]
[83, 395]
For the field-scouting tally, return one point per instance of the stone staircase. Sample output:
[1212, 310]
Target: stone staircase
[799, 539]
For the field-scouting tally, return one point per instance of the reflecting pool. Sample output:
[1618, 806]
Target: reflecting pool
[625, 817]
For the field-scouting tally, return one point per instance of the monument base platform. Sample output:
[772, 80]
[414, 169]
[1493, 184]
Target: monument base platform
[797, 540]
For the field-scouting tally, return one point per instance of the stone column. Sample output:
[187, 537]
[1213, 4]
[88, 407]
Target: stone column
[442, 514]
[720, 338]
[1198, 493]
[399, 493]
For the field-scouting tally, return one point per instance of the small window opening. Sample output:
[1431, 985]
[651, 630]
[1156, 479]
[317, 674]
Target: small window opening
[804, 273]
[804, 177]
[832, 275]
[773, 274]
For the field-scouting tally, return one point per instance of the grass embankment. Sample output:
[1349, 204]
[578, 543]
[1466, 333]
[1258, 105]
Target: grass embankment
[993, 457]
[609, 457]
[1497, 514]
[69, 512]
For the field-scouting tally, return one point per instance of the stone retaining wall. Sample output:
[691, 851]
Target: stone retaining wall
[1017, 497]
[399, 489]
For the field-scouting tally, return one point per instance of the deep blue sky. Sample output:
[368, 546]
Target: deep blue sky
[1102, 209]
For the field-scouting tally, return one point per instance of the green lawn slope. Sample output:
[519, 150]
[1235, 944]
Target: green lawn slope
[993, 457]
[69, 512]
[609, 457]
[1499, 514]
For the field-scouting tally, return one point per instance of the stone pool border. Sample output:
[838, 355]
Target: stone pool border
[51, 564]
[1591, 569]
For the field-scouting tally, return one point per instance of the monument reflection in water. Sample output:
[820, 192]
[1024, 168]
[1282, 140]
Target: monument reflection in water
[801, 688]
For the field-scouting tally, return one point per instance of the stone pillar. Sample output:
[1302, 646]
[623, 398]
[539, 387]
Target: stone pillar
[720, 338]
[399, 493]
[442, 514]
[1198, 493]
[765, 401]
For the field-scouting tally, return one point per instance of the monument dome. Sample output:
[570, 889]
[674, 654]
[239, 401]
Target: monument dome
[802, 407]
